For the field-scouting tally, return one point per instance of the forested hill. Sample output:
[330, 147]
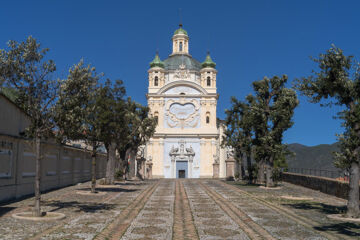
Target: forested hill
[315, 157]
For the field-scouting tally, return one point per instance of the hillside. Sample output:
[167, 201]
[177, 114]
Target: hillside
[315, 157]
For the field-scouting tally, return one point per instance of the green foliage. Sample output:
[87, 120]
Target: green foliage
[338, 78]
[119, 174]
[112, 111]
[10, 93]
[238, 133]
[139, 125]
[273, 107]
[256, 127]
[335, 80]
[24, 71]
[280, 164]
[77, 110]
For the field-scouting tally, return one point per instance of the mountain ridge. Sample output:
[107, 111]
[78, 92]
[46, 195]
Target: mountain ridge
[312, 157]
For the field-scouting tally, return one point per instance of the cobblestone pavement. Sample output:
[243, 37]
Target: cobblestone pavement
[181, 209]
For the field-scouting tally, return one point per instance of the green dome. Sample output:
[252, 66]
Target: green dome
[156, 62]
[180, 31]
[174, 61]
[208, 62]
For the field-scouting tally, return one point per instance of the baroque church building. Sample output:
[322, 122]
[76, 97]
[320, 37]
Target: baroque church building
[183, 96]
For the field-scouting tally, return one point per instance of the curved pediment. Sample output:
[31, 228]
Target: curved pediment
[182, 87]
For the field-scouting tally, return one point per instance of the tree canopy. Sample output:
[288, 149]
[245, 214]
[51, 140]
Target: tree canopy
[24, 70]
[338, 82]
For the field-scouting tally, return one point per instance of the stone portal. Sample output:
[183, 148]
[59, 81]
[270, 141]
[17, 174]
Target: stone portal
[181, 161]
[181, 169]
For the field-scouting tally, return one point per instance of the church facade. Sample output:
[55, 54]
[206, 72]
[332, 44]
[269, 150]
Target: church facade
[182, 95]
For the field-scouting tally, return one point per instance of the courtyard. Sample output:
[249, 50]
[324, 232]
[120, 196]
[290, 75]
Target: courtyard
[182, 209]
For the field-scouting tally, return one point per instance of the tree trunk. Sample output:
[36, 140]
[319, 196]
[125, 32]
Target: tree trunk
[249, 168]
[131, 167]
[261, 173]
[93, 168]
[242, 168]
[269, 173]
[37, 210]
[353, 201]
[110, 166]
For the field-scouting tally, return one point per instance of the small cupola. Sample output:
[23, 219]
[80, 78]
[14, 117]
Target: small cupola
[208, 63]
[208, 73]
[157, 62]
[180, 41]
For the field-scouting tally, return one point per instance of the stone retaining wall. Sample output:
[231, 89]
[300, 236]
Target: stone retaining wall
[326, 185]
[61, 166]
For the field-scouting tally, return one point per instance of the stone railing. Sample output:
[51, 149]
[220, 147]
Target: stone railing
[326, 185]
[61, 166]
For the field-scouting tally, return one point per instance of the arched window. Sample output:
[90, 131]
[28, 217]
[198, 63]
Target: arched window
[180, 47]
[156, 81]
[208, 81]
[207, 119]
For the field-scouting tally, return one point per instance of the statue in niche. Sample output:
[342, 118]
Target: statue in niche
[229, 153]
[140, 152]
[216, 158]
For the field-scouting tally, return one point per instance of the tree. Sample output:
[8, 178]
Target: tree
[238, 133]
[335, 80]
[272, 108]
[78, 110]
[139, 128]
[24, 69]
[112, 120]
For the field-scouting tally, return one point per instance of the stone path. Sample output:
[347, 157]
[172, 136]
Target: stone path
[182, 209]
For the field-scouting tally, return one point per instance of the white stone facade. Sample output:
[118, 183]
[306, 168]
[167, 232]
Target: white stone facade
[182, 95]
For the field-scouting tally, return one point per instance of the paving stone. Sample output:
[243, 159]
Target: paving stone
[181, 209]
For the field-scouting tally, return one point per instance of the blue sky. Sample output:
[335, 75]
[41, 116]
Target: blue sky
[247, 39]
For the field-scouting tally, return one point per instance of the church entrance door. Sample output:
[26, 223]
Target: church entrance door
[181, 169]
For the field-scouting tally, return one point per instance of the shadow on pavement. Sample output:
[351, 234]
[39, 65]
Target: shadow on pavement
[243, 183]
[109, 189]
[348, 229]
[344, 228]
[78, 206]
[4, 210]
[320, 207]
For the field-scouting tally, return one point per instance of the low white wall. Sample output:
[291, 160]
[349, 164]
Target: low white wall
[61, 166]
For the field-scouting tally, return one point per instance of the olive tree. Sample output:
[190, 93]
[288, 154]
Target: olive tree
[77, 110]
[239, 132]
[112, 119]
[272, 107]
[24, 69]
[139, 128]
[338, 81]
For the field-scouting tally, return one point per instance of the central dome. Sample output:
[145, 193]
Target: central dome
[174, 61]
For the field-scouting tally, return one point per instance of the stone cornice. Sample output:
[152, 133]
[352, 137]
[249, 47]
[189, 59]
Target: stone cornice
[186, 135]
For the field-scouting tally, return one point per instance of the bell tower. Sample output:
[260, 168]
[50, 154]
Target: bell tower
[180, 41]
[208, 74]
[156, 74]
